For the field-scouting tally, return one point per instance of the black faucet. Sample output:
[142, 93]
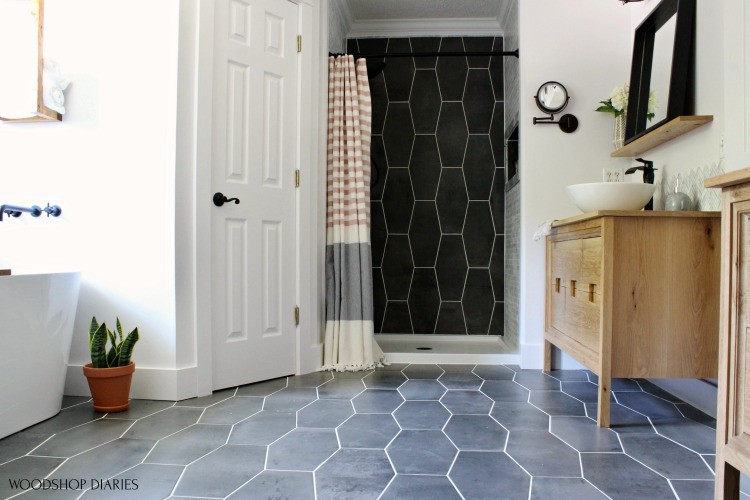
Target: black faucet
[648, 176]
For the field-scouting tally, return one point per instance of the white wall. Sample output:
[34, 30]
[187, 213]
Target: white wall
[585, 45]
[110, 165]
[339, 22]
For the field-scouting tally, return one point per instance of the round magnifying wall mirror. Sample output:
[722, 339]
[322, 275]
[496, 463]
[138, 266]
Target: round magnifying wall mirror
[552, 97]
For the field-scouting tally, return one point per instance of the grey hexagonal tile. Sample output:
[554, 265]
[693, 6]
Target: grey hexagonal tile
[649, 405]
[290, 399]
[583, 434]
[557, 403]
[450, 319]
[461, 402]
[421, 452]
[494, 372]
[632, 480]
[542, 454]
[325, 413]
[101, 462]
[497, 133]
[421, 415]
[452, 71]
[652, 389]
[665, 457]
[232, 411]
[476, 433]
[164, 423]
[231, 466]
[520, 416]
[263, 428]
[452, 134]
[536, 380]
[569, 375]
[368, 431]
[477, 94]
[623, 420]
[505, 390]
[353, 474]
[398, 201]
[425, 167]
[377, 401]
[460, 380]
[278, 484]
[397, 268]
[66, 419]
[389, 379]
[478, 300]
[584, 391]
[479, 168]
[139, 408]
[425, 93]
[341, 388]
[399, 72]
[424, 234]
[378, 165]
[25, 468]
[154, 481]
[17, 445]
[698, 437]
[451, 267]
[554, 488]
[189, 444]
[398, 135]
[302, 449]
[472, 470]
[422, 390]
[411, 486]
[80, 439]
[422, 371]
[424, 301]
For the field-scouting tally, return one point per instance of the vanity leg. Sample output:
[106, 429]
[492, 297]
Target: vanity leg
[547, 356]
[727, 486]
[602, 417]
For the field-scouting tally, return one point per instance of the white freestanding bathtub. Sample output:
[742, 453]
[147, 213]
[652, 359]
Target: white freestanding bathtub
[37, 312]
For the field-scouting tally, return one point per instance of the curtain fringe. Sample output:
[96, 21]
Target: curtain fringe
[355, 368]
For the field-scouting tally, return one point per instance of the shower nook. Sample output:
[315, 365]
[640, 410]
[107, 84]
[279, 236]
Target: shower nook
[438, 196]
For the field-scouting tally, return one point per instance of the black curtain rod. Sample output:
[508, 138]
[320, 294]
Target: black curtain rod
[513, 53]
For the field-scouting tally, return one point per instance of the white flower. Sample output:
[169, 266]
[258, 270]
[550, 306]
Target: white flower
[619, 97]
[653, 102]
[54, 84]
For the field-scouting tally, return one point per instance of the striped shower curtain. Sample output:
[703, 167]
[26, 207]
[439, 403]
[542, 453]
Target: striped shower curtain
[349, 342]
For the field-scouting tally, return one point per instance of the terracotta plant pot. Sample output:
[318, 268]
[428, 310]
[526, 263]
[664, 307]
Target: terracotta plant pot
[110, 387]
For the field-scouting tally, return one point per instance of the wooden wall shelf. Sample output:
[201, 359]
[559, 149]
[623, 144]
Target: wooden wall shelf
[675, 128]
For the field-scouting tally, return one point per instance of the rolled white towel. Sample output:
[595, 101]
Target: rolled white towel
[543, 230]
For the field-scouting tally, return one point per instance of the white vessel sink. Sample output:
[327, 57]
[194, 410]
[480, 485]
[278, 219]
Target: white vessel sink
[610, 195]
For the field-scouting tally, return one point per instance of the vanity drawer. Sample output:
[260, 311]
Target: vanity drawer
[577, 315]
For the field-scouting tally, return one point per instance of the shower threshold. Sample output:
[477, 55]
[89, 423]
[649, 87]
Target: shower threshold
[448, 349]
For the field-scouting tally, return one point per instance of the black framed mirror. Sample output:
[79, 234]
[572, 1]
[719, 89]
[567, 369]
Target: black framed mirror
[661, 76]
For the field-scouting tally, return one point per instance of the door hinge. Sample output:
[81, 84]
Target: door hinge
[299, 43]
[296, 178]
[296, 315]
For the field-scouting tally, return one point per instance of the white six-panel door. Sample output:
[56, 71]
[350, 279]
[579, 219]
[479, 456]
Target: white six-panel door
[254, 153]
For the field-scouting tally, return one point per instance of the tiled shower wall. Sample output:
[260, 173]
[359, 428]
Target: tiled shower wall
[438, 205]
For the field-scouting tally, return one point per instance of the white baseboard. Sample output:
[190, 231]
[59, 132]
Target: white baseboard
[532, 356]
[148, 383]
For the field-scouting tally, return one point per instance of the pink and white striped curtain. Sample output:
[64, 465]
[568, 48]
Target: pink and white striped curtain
[349, 342]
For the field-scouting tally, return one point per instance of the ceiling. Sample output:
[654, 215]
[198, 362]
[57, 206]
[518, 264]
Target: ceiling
[365, 10]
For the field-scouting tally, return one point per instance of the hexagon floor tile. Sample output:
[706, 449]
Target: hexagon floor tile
[406, 432]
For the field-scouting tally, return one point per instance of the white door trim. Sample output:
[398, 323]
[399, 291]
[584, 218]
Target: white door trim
[193, 187]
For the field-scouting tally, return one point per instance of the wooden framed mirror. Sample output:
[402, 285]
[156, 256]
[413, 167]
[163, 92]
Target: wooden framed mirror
[661, 77]
[22, 85]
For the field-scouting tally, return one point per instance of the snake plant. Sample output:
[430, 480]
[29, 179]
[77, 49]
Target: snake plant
[121, 347]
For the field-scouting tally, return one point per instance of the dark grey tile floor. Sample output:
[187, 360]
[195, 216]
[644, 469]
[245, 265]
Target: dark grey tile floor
[401, 432]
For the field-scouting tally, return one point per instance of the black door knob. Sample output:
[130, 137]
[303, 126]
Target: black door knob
[220, 199]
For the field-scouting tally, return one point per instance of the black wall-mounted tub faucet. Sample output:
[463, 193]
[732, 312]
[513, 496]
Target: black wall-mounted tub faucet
[648, 176]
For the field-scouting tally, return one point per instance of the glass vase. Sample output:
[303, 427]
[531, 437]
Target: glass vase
[618, 140]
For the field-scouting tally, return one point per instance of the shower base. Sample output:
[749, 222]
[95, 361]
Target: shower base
[449, 349]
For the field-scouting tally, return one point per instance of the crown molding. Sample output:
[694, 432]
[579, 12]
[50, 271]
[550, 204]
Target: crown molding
[483, 26]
